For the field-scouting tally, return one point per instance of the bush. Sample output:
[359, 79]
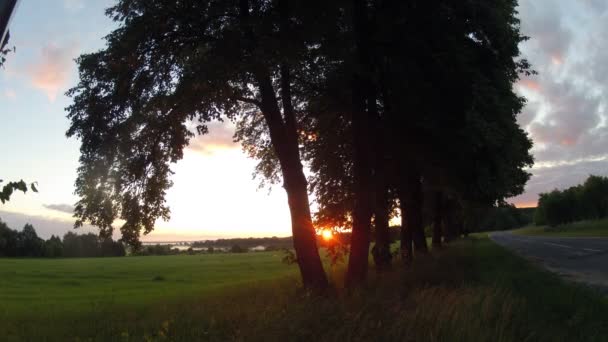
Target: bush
[237, 249]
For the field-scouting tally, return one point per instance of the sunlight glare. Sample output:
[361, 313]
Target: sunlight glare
[327, 235]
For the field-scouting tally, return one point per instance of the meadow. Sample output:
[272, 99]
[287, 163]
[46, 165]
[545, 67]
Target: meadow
[472, 290]
[587, 228]
[75, 285]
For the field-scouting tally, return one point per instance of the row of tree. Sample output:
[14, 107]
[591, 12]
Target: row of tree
[26, 243]
[581, 202]
[394, 106]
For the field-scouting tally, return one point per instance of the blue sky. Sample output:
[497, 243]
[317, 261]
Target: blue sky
[214, 194]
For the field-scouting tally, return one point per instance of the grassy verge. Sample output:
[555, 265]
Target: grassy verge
[594, 228]
[472, 291]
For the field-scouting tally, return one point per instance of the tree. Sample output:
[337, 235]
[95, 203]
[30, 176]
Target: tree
[586, 201]
[53, 247]
[167, 65]
[237, 249]
[4, 50]
[8, 240]
[28, 242]
[10, 187]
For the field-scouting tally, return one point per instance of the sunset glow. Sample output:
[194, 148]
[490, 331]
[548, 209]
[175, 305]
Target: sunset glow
[327, 234]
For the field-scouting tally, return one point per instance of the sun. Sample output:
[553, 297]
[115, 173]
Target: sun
[327, 234]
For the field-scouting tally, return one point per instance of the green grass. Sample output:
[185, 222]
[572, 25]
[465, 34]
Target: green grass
[472, 291]
[74, 285]
[594, 228]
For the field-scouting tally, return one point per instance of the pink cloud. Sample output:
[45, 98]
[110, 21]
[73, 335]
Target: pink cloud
[51, 73]
[529, 84]
[557, 59]
[220, 138]
[10, 94]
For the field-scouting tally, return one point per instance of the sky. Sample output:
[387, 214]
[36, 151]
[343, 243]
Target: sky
[214, 194]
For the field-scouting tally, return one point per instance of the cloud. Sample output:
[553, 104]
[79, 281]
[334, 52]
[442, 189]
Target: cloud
[550, 37]
[566, 112]
[219, 138]
[51, 72]
[10, 94]
[560, 176]
[66, 208]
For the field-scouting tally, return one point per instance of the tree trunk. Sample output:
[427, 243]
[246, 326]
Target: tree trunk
[450, 221]
[362, 212]
[405, 233]
[283, 135]
[437, 218]
[362, 88]
[382, 247]
[413, 211]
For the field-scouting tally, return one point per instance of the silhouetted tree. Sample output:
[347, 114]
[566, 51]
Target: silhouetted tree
[237, 249]
[28, 242]
[586, 201]
[53, 247]
[8, 240]
[169, 64]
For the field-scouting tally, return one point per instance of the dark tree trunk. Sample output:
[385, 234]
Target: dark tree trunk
[413, 211]
[362, 212]
[304, 236]
[405, 236]
[451, 224]
[382, 247]
[283, 135]
[362, 163]
[437, 219]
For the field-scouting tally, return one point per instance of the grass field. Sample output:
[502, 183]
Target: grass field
[471, 291]
[577, 229]
[73, 285]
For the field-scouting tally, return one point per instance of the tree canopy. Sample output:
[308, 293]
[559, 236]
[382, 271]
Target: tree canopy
[383, 101]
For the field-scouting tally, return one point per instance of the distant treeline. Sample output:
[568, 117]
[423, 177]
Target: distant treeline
[505, 217]
[26, 243]
[581, 202]
[268, 242]
[156, 250]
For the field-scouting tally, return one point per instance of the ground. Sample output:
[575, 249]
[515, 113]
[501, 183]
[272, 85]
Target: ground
[78, 283]
[582, 259]
[591, 228]
[473, 290]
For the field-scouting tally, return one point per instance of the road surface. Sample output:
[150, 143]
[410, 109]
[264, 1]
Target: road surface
[578, 258]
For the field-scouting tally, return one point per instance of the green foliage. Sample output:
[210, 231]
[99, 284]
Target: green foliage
[504, 217]
[156, 250]
[237, 249]
[26, 243]
[283, 242]
[289, 257]
[586, 201]
[10, 187]
[4, 50]
[138, 99]
[53, 247]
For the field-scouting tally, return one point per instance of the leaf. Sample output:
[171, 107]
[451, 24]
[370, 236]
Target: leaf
[33, 186]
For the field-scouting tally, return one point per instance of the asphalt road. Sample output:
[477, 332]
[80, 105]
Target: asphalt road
[580, 259]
